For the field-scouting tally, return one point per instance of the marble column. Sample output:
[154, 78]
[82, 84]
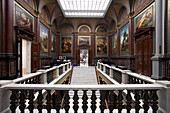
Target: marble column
[37, 28]
[131, 34]
[93, 43]
[110, 43]
[58, 44]
[49, 41]
[118, 41]
[157, 65]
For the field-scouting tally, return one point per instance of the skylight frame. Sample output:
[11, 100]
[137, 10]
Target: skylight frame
[83, 12]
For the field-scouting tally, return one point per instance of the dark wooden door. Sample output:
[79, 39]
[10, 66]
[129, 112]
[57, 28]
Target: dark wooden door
[35, 57]
[143, 51]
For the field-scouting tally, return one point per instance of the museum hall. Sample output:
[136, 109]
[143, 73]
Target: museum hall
[84, 56]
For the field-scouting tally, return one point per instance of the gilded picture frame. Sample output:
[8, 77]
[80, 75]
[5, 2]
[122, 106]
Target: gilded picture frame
[101, 46]
[84, 40]
[44, 38]
[124, 40]
[53, 42]
[146, 18]
[22, 17]
[114, 44]
[66, 45]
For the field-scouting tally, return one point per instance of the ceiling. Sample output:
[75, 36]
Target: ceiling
[84, 8]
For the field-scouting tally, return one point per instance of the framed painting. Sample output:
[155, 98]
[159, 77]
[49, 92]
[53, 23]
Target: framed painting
[124, 40]
[114, 44]
[66, 45]
[53, 42]
[43, 38]
[145, 18]
[23, 18]
[84, 40]
[101, 46]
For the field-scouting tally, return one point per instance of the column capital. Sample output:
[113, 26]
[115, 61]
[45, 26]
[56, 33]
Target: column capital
[58, 33]
[131, 15]
[118, 27]
[92, 33]
[37, 14]
[75, 33]
[110, 33]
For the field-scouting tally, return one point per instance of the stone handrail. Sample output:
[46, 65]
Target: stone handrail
[117, 96]
[40, 77]
[124, 76]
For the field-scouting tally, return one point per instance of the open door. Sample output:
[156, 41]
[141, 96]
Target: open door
[35, 57]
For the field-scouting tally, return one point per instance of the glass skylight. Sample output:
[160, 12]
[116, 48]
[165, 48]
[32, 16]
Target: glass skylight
[84, 8]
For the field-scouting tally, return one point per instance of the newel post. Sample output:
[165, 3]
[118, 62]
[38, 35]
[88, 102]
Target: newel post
[125, 76]
[43, 76]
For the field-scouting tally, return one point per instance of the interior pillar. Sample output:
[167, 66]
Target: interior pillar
[131, 35]
[110, 44]
[75, 36]
[58, 44]
[157, 65]
[93, 43]
[118, 41]
[49, 43]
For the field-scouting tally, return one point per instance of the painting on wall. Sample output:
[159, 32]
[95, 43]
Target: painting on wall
[114, 44]
[66, 45]
[23, 18]
[84, 40]
[102, 46]
[53, 42]
[124, 40]
[145, 19]
[43, 39]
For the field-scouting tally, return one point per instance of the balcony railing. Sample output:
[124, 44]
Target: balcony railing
[123, 76]
[119, 97]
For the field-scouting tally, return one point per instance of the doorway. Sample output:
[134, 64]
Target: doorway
[26, 57]
[84, 57]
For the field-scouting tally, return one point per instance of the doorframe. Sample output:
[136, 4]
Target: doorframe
[86, 47]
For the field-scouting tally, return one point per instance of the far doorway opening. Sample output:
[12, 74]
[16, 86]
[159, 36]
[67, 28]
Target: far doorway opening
[83, 57]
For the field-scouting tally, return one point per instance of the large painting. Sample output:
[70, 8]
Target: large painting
[124, 40]
[145, 19]
[53, 42]
[66, 45]
[101, 46]
[43, 39]
[84, 40]
[114, 44]
[23, 18]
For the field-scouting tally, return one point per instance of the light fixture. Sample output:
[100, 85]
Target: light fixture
[84, 8]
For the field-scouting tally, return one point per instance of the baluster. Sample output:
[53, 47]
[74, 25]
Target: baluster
[102, 101]
[34, 80]
[112, 100]
[146, 102]
[14, 101]
[39, 79]
[129, 101]
[93, 98]
[137, 102]
[22, 101]
[130, 79]
[154, 100]
[66, 102]
[57, 101]
[48, 98]
[85, 98]
[40, 102]
[120, 98]
[75, 98]
[31, 101]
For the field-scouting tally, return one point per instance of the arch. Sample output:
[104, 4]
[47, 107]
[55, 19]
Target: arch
[101, 25]
[47, 12]
[68, 28]
[40, 8]
[84, 25]
[122, 12]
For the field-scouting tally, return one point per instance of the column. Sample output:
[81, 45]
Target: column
[7, 26]
[110, 44]
[75, 36]
[93, 43]
[131, 34]
[58, 44]
[157, 67]
[37, 28]
[118, 41]
[49, 43]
